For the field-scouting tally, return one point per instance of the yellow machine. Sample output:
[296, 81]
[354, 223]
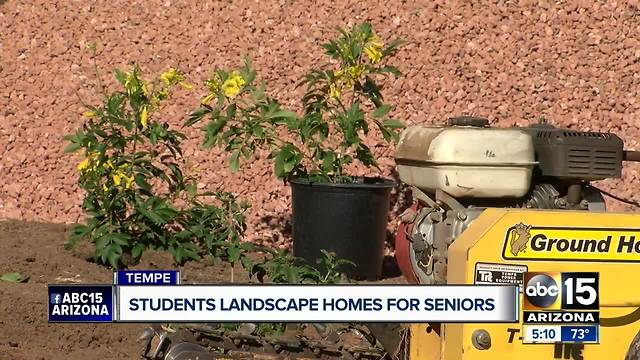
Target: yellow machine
[490, 206]
[489, 241]
[516, 200]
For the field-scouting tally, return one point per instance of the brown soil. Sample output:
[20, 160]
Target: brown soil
[37, 250]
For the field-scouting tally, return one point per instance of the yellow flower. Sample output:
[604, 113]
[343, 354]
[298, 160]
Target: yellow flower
[145, 88]
[159, 96]
[116, 178]
[230, 88]
[144, 117]
[105, 188]
[89, 163]
[345, 78]
[348, 83]
[207, 99]
[89, 114]
[128, 181]
[233, 84]
[119, 176]
[373, 54]
[84, 165]
[372, 49]
[355, 71]
[213, 84]
[129, 83]
[185, 85]
[170, 77]
[237, 77]
[334, 91]
[173, 76]
[375, 40]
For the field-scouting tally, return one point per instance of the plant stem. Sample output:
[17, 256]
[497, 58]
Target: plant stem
[97, 71]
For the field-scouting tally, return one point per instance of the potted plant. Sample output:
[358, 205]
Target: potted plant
[332, 209]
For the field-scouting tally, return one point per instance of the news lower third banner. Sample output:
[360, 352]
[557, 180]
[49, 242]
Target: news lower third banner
[158, 296]
[316, 303]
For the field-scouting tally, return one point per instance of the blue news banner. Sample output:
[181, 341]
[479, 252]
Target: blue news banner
[146, 277]
[158, 296]
[574, 333]
[96, 303]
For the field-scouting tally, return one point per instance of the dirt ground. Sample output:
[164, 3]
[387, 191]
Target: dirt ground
[37, 250]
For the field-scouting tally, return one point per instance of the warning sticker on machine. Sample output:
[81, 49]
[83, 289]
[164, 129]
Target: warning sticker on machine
[500, 274]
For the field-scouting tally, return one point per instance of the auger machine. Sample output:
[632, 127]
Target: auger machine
[489, 205]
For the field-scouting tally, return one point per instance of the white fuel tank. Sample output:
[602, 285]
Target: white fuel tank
[466, 161]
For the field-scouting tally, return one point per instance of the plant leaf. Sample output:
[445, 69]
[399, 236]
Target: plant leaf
[389, 69]
[234, 161]
[393, 124]
[381, 111]
[73, 147]
[282, 114]
[197, 115]
[14, 277]
[234, 254]
[137, 250]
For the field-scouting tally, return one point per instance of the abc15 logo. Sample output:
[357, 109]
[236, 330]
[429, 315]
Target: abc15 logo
[561, 291]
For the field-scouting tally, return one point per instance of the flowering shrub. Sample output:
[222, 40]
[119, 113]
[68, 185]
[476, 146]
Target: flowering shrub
[243, 117]
[137, 196]
[137, 193]
[341, 103]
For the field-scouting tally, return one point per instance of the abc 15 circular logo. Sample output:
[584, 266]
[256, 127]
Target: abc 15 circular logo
[561, 291]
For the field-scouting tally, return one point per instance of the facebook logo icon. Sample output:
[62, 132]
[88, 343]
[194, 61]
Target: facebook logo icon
[56, 299]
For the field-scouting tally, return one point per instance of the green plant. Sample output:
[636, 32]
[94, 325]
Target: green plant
[14, 277]
[281, 267]
[332, 268]
[137, 193]
[342, 101]
[243, 117]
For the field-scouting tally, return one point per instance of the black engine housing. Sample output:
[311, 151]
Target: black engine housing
[576, 155]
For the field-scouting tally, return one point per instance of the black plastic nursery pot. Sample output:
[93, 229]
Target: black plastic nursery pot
[347, 219]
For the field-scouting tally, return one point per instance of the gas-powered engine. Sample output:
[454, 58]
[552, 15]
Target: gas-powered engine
[459, 169]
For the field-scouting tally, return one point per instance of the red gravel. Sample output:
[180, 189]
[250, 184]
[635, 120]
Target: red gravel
[576, 64]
